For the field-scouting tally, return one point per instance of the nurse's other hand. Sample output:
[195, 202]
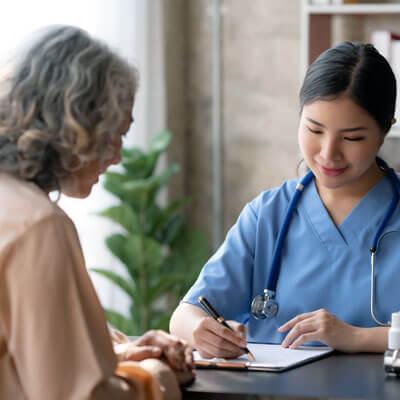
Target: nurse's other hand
[321, 326]
[212, 339]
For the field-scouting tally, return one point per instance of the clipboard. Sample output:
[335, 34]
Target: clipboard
[269, 357]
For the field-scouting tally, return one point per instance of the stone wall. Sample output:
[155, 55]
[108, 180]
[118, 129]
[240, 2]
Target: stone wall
[261, 51]
[175, 27]
[260, 78]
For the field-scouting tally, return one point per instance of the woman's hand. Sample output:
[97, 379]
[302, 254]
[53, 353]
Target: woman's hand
[212, 339]
[159, 344]
[165, 377]
[321, 326]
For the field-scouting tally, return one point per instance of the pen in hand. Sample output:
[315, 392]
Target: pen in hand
[209, 309]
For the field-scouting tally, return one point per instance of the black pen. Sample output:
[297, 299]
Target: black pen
[209, 309]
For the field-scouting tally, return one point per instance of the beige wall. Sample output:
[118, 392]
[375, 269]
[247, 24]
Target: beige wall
[261, 80]
[261, 51]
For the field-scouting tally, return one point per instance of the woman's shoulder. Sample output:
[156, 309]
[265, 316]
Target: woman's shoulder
[22, 205]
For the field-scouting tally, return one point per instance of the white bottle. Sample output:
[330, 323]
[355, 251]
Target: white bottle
[391, 359]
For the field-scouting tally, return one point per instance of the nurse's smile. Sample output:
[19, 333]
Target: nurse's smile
[331, 171]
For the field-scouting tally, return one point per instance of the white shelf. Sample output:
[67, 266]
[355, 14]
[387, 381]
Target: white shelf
[316, 23]
[354, 9]
[395, 131]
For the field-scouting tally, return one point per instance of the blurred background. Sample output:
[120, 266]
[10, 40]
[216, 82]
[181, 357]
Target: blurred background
[223, 76]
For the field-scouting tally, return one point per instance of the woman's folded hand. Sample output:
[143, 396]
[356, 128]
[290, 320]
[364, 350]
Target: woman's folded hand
[176, 353]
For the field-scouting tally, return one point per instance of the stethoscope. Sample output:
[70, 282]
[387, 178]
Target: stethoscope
[266, 306]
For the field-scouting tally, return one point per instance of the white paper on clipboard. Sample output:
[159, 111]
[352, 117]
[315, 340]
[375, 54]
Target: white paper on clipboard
[269, 357]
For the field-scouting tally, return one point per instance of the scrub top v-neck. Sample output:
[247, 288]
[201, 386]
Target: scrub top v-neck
[322, 266]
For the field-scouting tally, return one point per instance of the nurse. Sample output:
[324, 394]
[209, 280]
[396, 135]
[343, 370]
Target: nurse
[347, 105]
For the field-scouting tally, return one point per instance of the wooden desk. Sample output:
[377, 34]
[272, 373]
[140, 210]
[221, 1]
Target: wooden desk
[339, 376]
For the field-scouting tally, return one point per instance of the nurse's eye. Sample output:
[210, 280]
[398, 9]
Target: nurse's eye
[354, 139]
[316, 131]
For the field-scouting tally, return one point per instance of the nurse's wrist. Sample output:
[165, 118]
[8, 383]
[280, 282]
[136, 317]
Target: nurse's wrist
[369, 339]
[358, 339]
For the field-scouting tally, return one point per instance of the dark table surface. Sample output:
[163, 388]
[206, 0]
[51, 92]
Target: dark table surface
[338, 376]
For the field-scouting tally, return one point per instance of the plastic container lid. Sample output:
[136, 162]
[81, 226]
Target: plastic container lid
[394, 332]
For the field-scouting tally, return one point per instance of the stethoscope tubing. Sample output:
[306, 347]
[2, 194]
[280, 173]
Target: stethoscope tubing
[275, 265]
[393, 204]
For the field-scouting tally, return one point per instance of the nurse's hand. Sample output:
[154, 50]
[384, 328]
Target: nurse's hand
[321, 326]
[212, 339]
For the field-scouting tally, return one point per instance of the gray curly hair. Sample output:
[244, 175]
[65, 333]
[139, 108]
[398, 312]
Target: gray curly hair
[63, 99]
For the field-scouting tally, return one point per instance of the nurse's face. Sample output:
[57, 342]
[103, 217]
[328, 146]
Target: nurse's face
[339, 142]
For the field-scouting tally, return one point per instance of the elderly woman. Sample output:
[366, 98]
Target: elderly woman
[65, 105]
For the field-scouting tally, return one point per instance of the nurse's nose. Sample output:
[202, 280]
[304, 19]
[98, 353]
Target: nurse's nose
[330, 149]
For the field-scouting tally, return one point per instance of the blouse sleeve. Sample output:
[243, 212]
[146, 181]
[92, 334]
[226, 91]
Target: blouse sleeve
[55, 327]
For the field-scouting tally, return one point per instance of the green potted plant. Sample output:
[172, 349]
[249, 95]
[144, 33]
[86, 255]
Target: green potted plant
[161, 255]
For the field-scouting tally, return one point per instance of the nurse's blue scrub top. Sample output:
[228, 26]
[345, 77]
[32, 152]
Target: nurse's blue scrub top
[322, 266]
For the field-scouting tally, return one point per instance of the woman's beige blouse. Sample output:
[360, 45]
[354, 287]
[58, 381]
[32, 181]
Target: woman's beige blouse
[54, 342]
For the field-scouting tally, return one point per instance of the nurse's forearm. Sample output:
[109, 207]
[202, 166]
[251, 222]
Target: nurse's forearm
[373, 340]
[184, 320]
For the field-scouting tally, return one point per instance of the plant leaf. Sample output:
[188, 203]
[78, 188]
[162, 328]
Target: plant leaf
[160, 255]
[141, 165]
[193, 247]
[152, 159]
[158, 181]
[127, 287]
[136, 193]
[140, 193]
[123, 215]
[113, 183]
[138, 167]
[160, 320]
[160, 142]
[120, 322]
[159, 218]
[187, 256]
[116, 244]
[144, 253]
[163, 285]
[173, 229]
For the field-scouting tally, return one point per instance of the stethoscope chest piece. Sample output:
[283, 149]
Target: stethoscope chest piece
[264, 306]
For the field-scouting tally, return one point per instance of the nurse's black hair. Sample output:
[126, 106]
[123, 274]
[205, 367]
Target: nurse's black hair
[357, 71]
